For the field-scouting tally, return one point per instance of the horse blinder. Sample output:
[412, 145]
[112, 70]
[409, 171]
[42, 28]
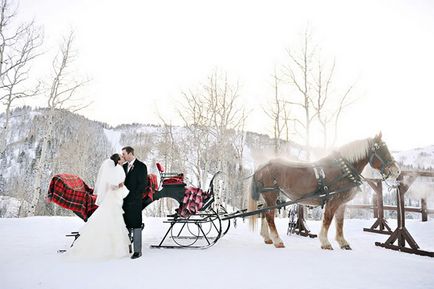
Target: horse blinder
[381, 152]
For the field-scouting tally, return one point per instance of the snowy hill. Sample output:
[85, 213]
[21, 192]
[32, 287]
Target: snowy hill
[418, 158]
[79, 145]
[239, 260]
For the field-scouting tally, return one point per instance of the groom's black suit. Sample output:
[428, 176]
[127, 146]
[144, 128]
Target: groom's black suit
[136, 182]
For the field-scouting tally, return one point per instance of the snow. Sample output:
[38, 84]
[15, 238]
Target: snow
[11, 169]
[239, 260]
[31, 153]
[114, 138]
[9, 207]
[419, 158]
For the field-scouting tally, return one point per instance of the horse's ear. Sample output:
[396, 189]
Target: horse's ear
[378, 136]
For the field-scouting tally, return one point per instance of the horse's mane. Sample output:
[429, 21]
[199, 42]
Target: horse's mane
[352, 152]
[355, 150]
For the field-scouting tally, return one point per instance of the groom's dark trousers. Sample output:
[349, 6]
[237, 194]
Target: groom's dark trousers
[136, 182]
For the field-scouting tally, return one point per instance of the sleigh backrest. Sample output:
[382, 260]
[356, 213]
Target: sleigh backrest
[169, 179]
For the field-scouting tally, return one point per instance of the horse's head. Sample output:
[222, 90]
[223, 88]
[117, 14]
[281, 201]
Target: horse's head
[381, 159]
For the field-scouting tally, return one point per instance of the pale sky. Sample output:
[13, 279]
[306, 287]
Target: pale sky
[141, 55]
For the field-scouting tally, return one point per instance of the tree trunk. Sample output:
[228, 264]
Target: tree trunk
[4, 129]
[40, 167]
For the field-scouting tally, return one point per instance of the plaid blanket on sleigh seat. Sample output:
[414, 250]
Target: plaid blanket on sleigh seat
[72, 193]
[193, 201]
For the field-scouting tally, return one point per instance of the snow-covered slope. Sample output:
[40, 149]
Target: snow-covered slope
[80, 145]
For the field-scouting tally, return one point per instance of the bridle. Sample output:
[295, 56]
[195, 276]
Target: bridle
[379, 151]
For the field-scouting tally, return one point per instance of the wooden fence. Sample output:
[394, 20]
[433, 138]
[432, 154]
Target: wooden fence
[401, 236]
[378, 205]
[422, 210]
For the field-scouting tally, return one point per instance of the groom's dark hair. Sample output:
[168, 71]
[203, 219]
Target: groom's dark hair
[128, 149]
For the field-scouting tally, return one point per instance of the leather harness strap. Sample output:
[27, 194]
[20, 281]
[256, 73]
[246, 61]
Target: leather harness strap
[322, 188]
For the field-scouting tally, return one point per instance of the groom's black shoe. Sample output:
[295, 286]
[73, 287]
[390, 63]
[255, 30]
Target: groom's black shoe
[136, 255]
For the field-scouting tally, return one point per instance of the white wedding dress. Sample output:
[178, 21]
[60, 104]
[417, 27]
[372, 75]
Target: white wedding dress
[105, 235]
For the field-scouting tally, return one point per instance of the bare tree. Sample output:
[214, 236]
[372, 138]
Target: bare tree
[278, 112]
[343, 103]
[322, 87]
[238, 173]
[215, 121]
[298, 73]
[197, 122]
[18, 48]
[329, 103]
[169, 149]
[315, 92]
[61, 96]
[227, 129]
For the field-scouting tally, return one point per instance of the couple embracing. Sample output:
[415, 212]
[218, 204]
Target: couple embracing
[119, 186]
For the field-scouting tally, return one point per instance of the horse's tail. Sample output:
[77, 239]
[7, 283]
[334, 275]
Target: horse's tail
[253, 197]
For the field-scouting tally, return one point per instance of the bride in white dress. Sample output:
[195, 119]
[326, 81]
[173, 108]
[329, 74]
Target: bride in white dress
[105, 235]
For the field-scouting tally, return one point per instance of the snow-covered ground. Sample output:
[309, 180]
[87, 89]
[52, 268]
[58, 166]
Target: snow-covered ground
[240, 260]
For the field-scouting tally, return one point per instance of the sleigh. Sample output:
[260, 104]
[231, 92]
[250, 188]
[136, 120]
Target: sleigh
[196, 223]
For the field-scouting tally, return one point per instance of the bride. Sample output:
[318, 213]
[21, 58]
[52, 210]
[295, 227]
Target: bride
[105, 235]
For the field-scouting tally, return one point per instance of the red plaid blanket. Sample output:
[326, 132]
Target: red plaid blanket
[72, 193]
[152, 188]
[193, 201]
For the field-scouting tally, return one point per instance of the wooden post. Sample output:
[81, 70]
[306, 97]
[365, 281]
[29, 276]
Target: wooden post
[384, 228]
[375, 201]
[401, 233]
[380, 207]
[424, 210]
[301, 227]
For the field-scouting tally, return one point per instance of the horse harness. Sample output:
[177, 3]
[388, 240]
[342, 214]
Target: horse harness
[322, 190]
[348, 172]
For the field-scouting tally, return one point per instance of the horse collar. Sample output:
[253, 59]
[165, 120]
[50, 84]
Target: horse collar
[349, 171]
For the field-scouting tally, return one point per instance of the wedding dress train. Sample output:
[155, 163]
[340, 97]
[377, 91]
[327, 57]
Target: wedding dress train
[105, 235]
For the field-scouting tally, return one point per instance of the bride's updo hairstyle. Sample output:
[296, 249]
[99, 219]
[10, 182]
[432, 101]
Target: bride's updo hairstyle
[115, 158]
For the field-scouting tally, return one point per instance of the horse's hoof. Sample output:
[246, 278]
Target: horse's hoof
[279, 245]
[327, 247]
[268, 242]
[346, 247]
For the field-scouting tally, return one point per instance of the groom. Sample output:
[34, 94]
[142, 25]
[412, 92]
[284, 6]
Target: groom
[135, 181]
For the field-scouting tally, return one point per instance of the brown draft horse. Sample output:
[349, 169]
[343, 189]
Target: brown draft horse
[336, 178]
